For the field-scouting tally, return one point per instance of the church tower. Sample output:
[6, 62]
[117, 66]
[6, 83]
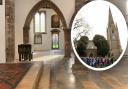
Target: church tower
[113, 37]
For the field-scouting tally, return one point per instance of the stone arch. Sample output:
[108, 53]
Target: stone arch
[47, 4]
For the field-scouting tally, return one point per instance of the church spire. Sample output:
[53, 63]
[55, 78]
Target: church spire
[110, 18]
[113, 36]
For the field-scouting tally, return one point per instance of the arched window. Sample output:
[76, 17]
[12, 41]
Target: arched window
[40, 22]
[55, 39]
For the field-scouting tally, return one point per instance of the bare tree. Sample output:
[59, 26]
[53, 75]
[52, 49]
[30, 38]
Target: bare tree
[81, 28]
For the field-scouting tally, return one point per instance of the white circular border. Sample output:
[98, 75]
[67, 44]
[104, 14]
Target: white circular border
[93, 68]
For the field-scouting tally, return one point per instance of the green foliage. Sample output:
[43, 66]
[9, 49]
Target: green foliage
[102, 45]
[81, 45]
[84, 39]
[81, 48]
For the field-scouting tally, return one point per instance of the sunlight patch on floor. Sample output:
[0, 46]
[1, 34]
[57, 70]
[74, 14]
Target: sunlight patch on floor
[48, 58]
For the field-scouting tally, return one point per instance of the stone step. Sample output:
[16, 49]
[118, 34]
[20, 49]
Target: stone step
[44, 82]
[31, 79]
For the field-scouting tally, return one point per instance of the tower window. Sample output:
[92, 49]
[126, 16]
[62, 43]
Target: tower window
[112, 31]
[113, 35]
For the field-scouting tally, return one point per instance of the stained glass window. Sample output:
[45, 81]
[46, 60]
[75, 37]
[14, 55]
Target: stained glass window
[55, 41]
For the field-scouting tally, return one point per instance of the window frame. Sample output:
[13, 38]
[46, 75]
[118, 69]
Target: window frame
[40, 23]
[55, 31]
[39, 37]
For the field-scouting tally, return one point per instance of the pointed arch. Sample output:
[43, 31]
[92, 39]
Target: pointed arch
[51, 5]
[44, 4]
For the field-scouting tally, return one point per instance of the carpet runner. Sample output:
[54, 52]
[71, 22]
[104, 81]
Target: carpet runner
[11, 74]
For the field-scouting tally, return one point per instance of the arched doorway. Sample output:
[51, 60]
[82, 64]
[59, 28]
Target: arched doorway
[51, 5]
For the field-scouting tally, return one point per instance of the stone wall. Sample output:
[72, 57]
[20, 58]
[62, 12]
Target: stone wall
[80, 3]
[9, 30]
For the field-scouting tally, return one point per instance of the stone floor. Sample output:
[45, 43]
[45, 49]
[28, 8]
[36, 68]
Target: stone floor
[45, 55]
[48, 56]
[63, 77]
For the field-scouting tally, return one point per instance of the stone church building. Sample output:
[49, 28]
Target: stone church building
[112, 38]
[46, 25]
[91, 50]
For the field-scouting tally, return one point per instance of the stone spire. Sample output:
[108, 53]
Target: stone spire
[113, 36]
[110, 18]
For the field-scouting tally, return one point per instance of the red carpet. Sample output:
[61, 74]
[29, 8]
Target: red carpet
[11, 74]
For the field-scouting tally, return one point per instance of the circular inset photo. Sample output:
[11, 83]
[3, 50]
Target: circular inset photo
[99, 35]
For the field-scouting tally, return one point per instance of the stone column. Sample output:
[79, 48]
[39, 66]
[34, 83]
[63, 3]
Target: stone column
[80, 3]
[26, 35]
[67, 42]
[10, 30]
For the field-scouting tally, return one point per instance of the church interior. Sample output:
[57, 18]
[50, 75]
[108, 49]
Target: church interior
[44, 28]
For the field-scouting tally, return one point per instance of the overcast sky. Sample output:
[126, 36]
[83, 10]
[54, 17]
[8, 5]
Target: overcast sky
[96, 15]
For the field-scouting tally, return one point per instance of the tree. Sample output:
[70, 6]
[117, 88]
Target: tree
[80, 32]
[84, 39]
[81, 48]
[102, 45]
[81, 28]
[81, 45]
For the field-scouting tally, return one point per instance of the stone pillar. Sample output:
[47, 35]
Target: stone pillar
[67, 42]
[10, 30]
[26, 35]
[80, 3]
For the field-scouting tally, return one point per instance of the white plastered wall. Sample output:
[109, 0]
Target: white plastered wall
[46, 38]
